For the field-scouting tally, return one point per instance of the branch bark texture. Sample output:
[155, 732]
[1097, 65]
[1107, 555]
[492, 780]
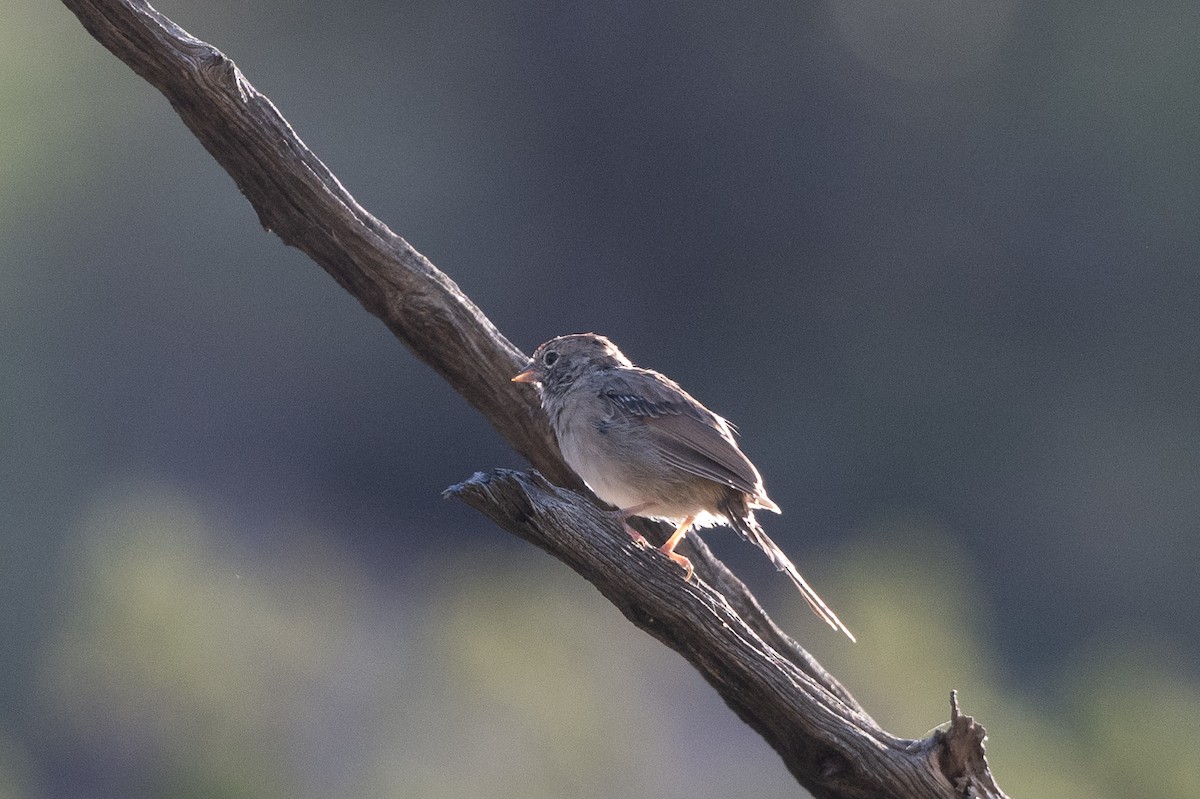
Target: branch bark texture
[826, 739]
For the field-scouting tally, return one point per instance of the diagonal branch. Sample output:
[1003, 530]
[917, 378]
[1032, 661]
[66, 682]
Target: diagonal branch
[826, 739]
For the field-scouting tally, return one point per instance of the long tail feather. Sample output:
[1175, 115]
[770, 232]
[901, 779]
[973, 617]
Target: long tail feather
[749, 528]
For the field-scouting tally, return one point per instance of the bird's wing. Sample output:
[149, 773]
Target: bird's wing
[686, 434]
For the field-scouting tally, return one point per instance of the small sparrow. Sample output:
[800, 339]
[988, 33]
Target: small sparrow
[643, 444]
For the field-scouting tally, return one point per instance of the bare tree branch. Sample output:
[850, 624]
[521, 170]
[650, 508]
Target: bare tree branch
[826, 739]
[831, 747]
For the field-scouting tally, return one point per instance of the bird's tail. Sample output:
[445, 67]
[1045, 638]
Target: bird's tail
[749, 528]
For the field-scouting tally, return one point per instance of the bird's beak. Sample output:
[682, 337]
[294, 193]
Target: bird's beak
[526, 377]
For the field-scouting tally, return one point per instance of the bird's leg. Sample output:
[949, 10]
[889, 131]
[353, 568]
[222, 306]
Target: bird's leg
[624, 513]
[668, 548]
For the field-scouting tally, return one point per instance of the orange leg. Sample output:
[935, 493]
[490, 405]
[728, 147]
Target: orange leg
[624, 513]
[668, 548]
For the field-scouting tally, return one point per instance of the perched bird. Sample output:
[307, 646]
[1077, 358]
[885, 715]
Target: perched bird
[643, 444]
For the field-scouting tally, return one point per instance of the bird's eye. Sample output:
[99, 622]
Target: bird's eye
[550, 357]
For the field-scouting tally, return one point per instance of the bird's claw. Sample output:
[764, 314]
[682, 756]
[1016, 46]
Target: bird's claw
[683, 562]
[637, 537]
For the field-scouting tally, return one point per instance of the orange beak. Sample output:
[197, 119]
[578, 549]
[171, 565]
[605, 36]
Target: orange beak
[525, 377]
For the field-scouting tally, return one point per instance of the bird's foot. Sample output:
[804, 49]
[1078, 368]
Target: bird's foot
[683, 562]
[637, 537]
[624, 514]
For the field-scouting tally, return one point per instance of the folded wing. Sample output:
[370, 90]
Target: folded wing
[686, 434]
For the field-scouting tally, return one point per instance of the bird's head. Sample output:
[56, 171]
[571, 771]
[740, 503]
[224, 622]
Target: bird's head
[561, 361]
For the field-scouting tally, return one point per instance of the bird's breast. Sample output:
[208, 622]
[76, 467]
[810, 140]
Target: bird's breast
[600, 453]
[617, 459]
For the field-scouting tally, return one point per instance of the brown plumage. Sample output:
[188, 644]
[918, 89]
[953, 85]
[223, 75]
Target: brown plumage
[645, 445]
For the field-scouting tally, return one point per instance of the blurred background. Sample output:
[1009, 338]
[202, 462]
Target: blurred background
[939, 260]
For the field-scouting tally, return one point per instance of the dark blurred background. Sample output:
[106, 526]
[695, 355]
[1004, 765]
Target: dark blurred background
[937, 259]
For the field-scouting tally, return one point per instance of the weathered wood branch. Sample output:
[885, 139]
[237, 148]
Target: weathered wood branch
[826, 739]
[828, 744]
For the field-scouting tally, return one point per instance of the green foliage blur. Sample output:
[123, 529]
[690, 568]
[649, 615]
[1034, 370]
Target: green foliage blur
[939, 261]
